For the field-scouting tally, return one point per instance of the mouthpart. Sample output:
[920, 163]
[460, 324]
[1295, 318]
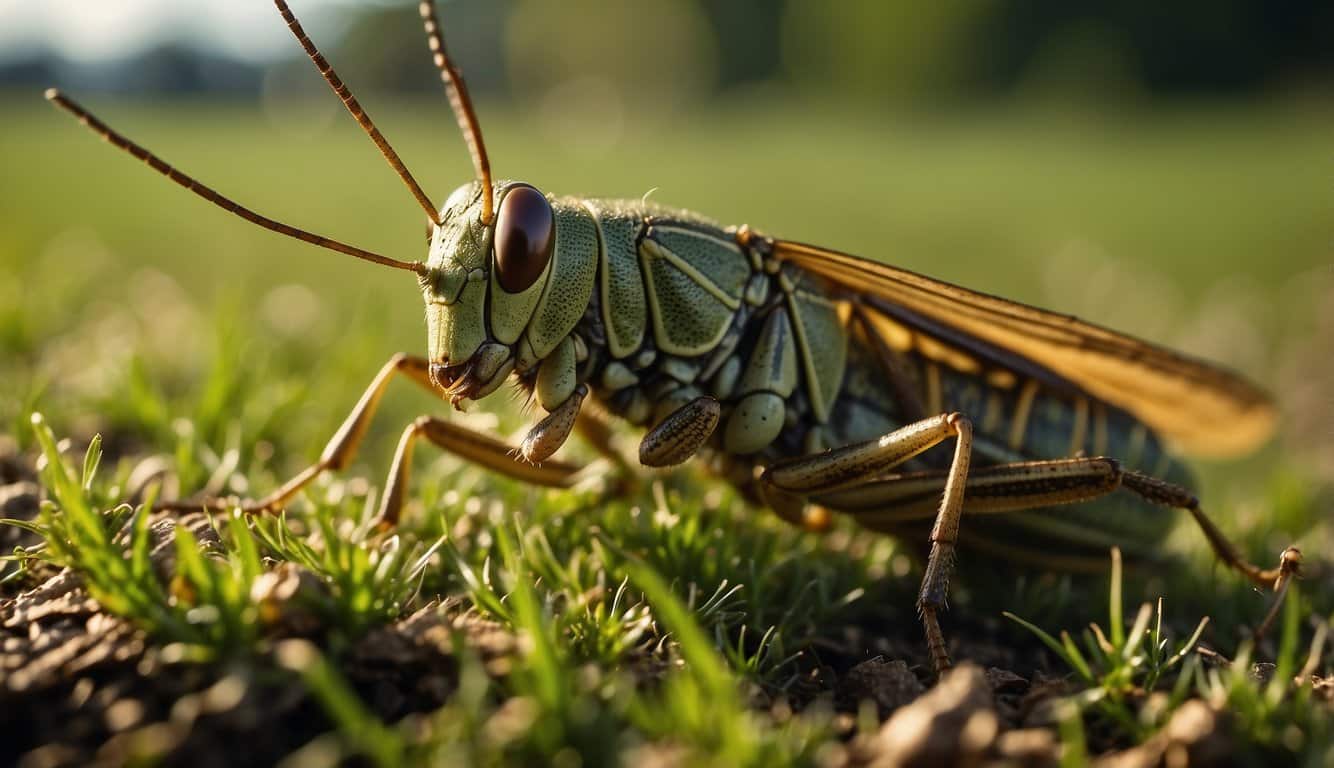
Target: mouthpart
[476, 377]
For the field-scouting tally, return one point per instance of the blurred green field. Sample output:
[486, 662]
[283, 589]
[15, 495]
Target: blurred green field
[130, 308]
[1196, 196]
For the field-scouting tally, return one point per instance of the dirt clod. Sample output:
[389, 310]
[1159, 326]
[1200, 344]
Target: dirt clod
[888, 684]
[1037, 708]
[288, 598]
[1028, 747]
[954, 723]
[1195, 736]
[19, 500]
[162, 538]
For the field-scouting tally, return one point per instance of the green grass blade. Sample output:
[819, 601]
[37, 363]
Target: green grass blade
[1074, 744]
[1189, 644]
[91, 458]
[1081, 665]
[696, 648]
[245, 553]
[543, 657]
[1057, 647]
[1289, 638]
[356, 724]
[25, 525]
[1116, 620]
[1138, 631]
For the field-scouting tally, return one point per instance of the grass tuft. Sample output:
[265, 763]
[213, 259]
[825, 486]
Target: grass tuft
[1272, 704]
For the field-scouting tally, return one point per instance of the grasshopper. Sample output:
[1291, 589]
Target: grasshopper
[814, 381]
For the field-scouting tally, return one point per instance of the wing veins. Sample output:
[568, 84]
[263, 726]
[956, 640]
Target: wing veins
[1207, 408]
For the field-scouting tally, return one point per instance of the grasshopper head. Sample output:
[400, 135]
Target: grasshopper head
[486, 267]
[482, 283]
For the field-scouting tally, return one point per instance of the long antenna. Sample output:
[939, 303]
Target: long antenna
[225, 203]
[462, 104]
[358, 114]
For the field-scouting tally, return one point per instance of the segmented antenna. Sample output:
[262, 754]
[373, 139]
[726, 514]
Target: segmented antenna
[225, 203]
[462, 104]
[355, 108]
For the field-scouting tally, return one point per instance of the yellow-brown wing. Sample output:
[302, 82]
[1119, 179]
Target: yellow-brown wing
[1202, 408]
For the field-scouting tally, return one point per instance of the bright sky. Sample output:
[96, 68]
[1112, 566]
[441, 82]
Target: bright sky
[100, 29]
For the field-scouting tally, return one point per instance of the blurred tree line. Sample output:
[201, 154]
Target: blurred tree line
[881, 52]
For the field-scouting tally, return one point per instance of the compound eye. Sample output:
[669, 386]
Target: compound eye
[525, 234]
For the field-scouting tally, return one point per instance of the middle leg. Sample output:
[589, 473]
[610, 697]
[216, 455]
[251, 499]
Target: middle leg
[849, 466]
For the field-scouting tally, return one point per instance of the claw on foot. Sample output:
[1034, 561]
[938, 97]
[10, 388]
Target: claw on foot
[1289, 566]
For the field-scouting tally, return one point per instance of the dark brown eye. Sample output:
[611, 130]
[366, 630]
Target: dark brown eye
[525, 233]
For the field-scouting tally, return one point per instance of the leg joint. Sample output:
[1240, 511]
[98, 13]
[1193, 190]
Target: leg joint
[1159, 491]
[935, 587]
[958, 423]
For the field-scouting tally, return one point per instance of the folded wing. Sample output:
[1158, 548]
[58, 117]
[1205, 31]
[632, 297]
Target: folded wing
[1203, 408]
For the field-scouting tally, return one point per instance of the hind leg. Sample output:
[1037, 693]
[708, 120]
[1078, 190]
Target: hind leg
[831, 479]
